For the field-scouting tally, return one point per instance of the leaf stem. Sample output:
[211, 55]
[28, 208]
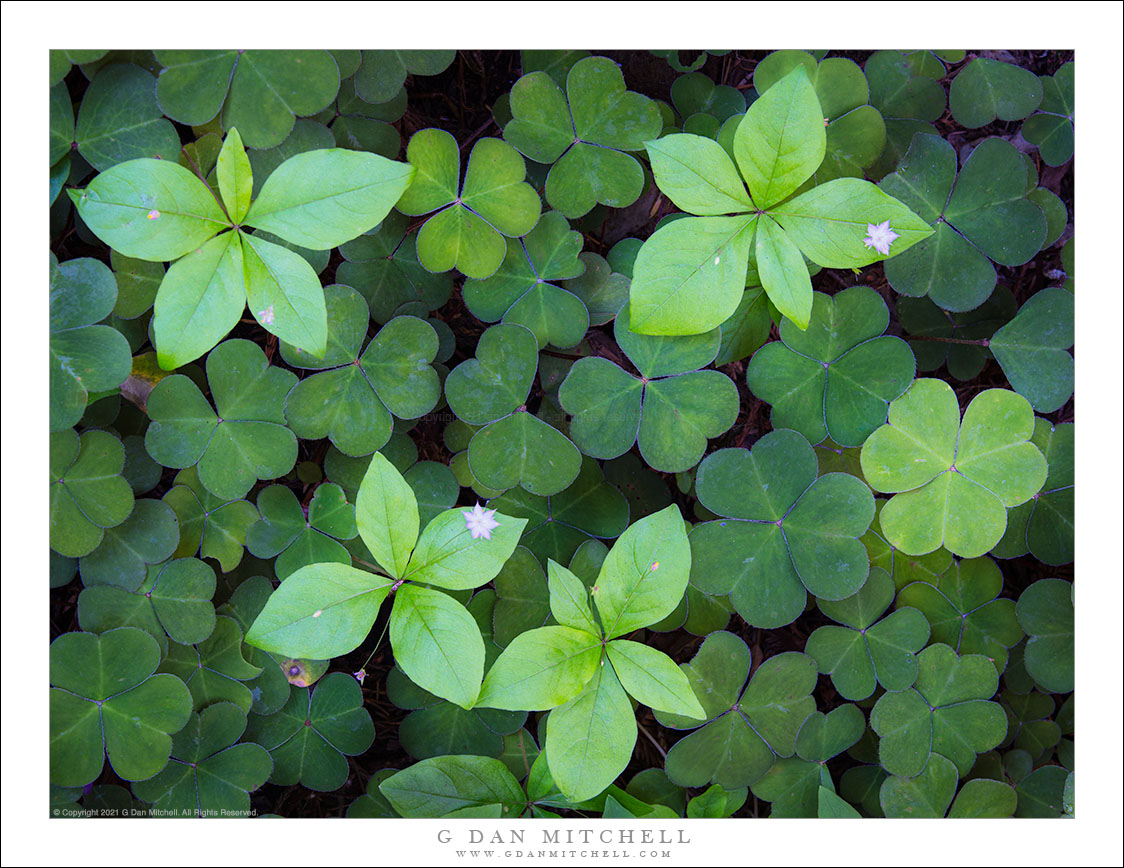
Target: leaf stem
[655, 744]
[983, 342]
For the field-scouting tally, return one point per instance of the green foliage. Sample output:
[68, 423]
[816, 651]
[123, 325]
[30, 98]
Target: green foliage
[585, 134]
[785, 532]
[837, 377]
[979, 216]
[494, 201]
[158, 211]
[778, 145]
[267, 513]
[956, 491]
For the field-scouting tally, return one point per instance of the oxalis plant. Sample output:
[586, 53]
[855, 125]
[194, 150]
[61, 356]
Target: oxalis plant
[606, 437]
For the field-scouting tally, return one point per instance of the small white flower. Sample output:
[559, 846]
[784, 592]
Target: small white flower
[880, 237]
[480, 522]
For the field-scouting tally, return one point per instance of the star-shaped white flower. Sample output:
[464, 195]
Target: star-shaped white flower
[480, 522]
[880, 237]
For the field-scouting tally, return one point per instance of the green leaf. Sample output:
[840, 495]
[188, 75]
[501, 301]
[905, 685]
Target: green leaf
[310, 736]
[987, 89]
[697, 175]
[1031, 349]
[149, 209]
[497, 381]
[320, 199]
[436, 787]
[285, 294]
[838, 377]
[542, 669]
[148, 536]
[690, 274]
[119, 119]
[201, 298]
[1045, 611]
[321, 611]
[88, 492]
[645, 573]
[447, 556]
[437, 644]
[84, 357]
[111, 677]
[386, 512]
[569, 600]
[829, 223]
[382, 72]
[652, 678]
[236, 180]
[783, 273]
[781, 140]
[521, 449]
[589, 740]
[957, 481]
[927, 795]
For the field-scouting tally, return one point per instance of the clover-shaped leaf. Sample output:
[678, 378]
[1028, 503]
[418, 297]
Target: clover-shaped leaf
[1044, 524]
[963, 610]
[559, 524]
[514, 447]
[523, 290]
[208, 774]
[270, 690]
[88, 492]
[174, 600]
[671, 409]
[210, 526]
[785, 530]
[284, 532]
[956, 479]
[1027, 725]
[246, 441]
[838, 376]
[494, 201]
[704, 105]
[981, 215]
[259, 91]
[382, 72]
[930, 794]
[214, 670]
[868, 652]
[309, 738]
[105, 700]
[84, 357]
[947, 712]
[148, 536]
[383, 266]
[1051, 127]
[745, 730]
[585, 133]
[908, 98]
[987, 89]
[1045, 611]
[1031, 349]
[353, 404]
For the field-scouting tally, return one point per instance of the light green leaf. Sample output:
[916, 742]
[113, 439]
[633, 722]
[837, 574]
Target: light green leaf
[783, 273]
[652, 678]
[201, 298]
[697, 175]
[154, 210]
[437, 644]
[386, 512]
[320, 199]
[781, 140]
[690, 274]
[236, 180]
[285, 295]
[542, 669]
[321, 611]
[645, 573]
[447, 556]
